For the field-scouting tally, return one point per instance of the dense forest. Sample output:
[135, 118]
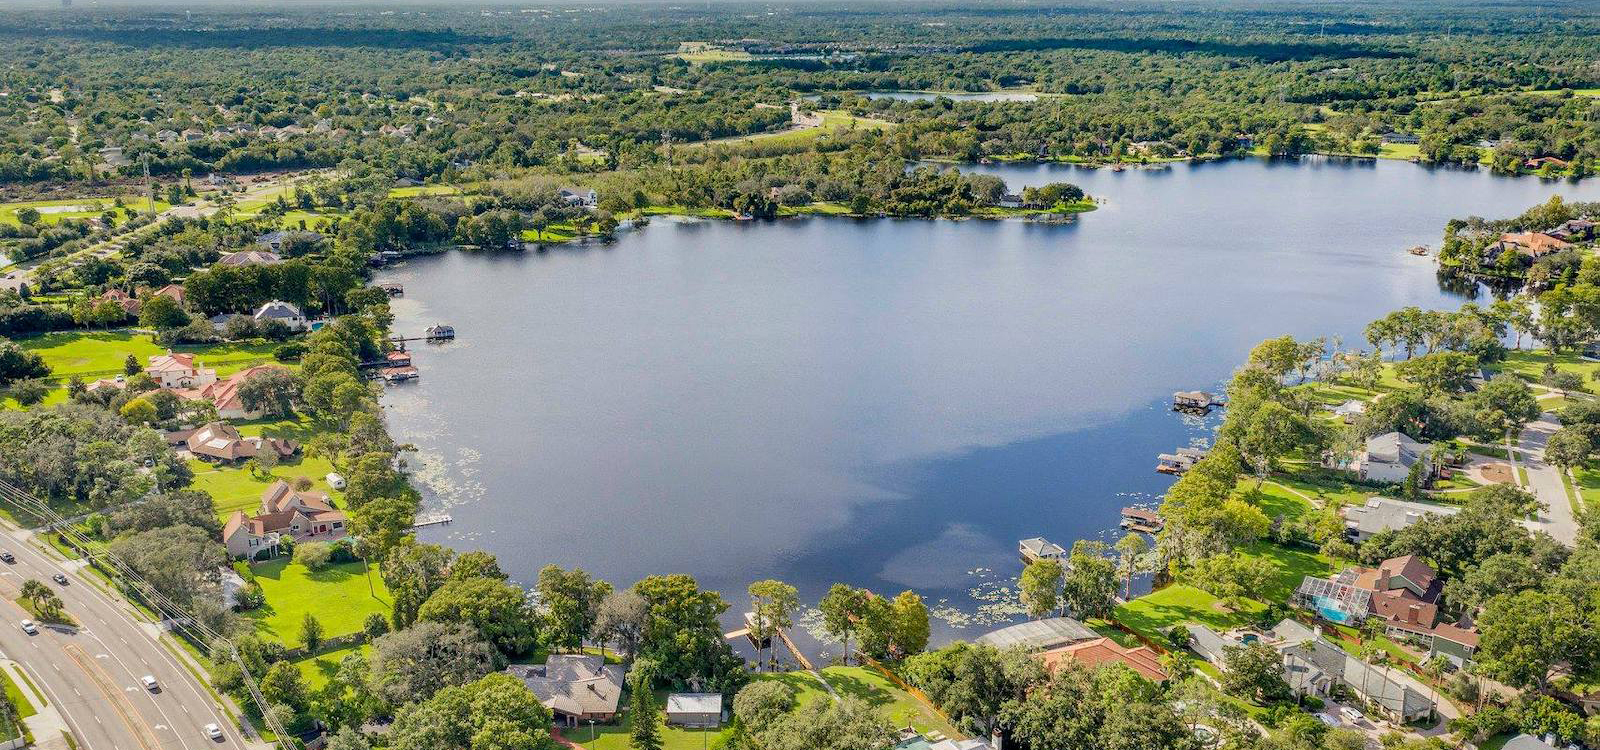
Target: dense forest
[463, 93]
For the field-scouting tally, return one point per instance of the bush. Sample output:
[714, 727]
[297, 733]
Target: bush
[251, 596]
[289, 352]
[314, 555]
[343, 551]
[1313, 703]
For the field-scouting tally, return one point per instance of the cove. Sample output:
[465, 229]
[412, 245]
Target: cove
[887, 403]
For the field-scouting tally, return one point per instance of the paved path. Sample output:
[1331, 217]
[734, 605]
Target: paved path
[1546, 482]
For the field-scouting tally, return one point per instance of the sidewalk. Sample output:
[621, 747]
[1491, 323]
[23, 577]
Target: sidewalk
[47, 726]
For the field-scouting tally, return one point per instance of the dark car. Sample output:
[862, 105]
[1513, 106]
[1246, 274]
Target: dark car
[59, 578]
[7, 556]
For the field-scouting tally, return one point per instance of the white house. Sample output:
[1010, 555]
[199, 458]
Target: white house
[1390, 456]
[282, 311]
[172, 370]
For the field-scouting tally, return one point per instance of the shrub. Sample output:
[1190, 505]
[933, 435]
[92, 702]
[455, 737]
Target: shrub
[289, 352]
[314, 555]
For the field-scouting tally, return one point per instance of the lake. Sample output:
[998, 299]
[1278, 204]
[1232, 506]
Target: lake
[888, 403]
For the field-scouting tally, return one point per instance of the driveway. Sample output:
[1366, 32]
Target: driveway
[1546, 482]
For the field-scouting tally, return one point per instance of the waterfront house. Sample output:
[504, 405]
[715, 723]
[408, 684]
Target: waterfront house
[1403, 594]
[1540, 162]
[174, 370]
[1390, 456]
[1575, 230]
[1097, 652]
[1039, 635]
[282, 312]
[1530, 244]
[1395, 136]
[121, 299]
[1180, 461]
[221, 442]
[1140, 519]
[576, 688]
[399, 358]
[440, 332]
[695, 710]
[911, 739]
[283, 512]
[1039, 548]
[580, 197]
[1385, 514]
[1193, 400]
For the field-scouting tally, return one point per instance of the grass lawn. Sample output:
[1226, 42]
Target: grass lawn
[102, 354]
[235, 488]
[1399, 151]
[317, 670]
[1529, 363]
[1153, 613]
[1327, 487]
[51, 212]
[1588, 485]
[416, 190]
[1273, 499]
[18, 698]
[338, 596]
[877, 690]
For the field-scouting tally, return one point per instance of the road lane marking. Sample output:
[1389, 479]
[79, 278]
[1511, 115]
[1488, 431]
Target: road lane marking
[119, 702]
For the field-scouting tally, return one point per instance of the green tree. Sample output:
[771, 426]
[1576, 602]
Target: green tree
[774, 604]
[131, 366]
[497, 609]
[1130, 550]
[1090, 586]
[1041, 587]
[282, 685]
[1254, 671]
[644, 717]
[570, 601]
[841, 608]
[162, 313]
[311, 633]
[909, 616]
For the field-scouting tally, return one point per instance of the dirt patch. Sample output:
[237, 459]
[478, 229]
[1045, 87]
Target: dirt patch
[1496, 473]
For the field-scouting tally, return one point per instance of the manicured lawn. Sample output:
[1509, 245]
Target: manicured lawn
[1292, 564]
[317, 670]
[102, 354]
[338, 595]
[18, 698]
[1327, 487]
[1153, 613]
[871, 686]
[236, 488]
[412, 192]
[1530, 363]
[1588, 486]
[1273, 499]
[51, 212]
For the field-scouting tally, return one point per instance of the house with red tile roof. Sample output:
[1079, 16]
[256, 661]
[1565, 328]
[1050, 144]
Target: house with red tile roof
[221, 442]
[224, 394]
[1099, 651]
[283, 513]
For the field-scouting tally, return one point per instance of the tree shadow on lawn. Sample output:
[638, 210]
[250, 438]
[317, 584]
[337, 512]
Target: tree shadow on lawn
[856, 687]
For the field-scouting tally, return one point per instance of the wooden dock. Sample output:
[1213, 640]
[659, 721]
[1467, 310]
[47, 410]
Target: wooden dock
[782, 636]
[434, 521]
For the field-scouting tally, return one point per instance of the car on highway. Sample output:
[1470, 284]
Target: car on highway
[30, 628]
[59, 578]
[150, 683]
[214, 732]
[8, 557]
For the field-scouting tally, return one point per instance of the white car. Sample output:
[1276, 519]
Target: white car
[214, 732]
[150, 683]
[1351, 714]
[29, 628]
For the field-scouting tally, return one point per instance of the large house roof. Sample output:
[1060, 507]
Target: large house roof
[1382, 514]
[573, 684]
[249, 258]
[171, 362]
[225, 393]
[1039, 635]
[1394, 448]
[278, 309]
[1106, 651]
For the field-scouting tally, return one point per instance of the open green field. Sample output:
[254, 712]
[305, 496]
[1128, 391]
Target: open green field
[317, 670]
[51, 212]
[902, 710]
[338, 595]
[418, 190]
[1153, 613]
[1405, 151]
[831, 119]
[1588, 480]
[236, 488]
[91, 355]
[1328, 488]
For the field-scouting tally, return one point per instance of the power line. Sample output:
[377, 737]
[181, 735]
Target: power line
[164, 606]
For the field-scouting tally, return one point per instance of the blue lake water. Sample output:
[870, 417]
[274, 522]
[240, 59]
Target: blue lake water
[889, 403]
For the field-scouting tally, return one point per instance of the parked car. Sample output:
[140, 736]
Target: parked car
[150, 683]
[1351, 714]
[29, 628]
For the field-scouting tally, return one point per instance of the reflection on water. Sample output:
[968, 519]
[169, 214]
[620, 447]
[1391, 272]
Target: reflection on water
[890, 403]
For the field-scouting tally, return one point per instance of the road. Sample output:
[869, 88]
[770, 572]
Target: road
[92, 675]
[1546, 482]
